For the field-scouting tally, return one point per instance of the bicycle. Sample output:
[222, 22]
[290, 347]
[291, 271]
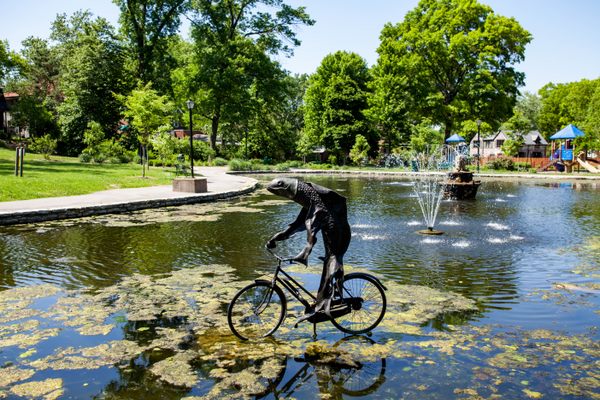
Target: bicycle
[257, 310]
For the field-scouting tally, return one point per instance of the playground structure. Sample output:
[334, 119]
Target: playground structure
[563, 156]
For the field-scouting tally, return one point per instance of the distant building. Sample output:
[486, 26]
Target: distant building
[7, 102]
[534, 145]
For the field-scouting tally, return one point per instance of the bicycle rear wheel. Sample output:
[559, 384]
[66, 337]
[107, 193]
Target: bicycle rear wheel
[256, 311]
[362, 307]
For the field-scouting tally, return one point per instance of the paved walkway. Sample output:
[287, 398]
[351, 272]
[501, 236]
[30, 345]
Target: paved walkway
[220, 186]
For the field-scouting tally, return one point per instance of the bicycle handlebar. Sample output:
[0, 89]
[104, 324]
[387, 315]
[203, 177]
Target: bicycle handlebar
[278, 257]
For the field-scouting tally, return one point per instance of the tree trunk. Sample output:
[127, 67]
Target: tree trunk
[214, 130]
[447, 129]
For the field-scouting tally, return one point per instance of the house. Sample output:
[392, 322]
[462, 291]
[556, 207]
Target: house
[534, 145]
[7, 101]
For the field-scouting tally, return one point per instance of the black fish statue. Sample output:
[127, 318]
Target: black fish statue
[322, 210]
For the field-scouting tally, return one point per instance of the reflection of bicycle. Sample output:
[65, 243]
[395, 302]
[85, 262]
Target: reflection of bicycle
[258, 309]
[334, 379]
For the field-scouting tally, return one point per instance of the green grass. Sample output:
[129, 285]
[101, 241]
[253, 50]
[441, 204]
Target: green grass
[66, 176]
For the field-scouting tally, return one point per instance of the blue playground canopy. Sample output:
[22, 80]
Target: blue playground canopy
[568, 132]
[455, 139]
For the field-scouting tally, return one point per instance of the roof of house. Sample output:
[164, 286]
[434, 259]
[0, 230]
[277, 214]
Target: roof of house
[534, 138]
[531, 138]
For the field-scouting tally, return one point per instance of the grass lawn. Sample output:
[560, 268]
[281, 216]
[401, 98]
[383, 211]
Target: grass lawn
[66, 176]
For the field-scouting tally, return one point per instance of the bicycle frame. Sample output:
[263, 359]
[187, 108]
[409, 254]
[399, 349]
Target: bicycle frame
[289, 283]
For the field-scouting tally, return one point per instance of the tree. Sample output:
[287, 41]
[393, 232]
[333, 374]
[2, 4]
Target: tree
[591, 126]
[513, 144]
[92, 69]
[359, 154]
[458, 56]
[233, 40]
[147, 113]
[335, 101]
[149, 24]
[9, 62]
[570, 103]
[38, 88]
[425, 138]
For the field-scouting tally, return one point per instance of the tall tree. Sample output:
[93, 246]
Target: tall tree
[147, 112]
[92, 69]
[148, 24]
[459, 58]
[9, 62]
[335, 102]
[38, 88]
[233, 41]
[571, 103]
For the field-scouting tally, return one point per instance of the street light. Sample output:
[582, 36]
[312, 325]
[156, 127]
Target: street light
[478, 142]
[190, 106]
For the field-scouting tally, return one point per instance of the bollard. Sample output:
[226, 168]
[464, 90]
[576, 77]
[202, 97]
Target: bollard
[17, 156]
[22, 160]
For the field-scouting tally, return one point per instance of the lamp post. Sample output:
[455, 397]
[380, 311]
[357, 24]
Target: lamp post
[190, 106]
[478, 142]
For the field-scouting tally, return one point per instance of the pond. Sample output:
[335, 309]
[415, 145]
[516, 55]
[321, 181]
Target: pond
[505, 304]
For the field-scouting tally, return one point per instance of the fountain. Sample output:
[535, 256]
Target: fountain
[429, 188]
[460, 184]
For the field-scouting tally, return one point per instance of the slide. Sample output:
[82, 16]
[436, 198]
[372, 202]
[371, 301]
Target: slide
[588, 166]
[546, 166]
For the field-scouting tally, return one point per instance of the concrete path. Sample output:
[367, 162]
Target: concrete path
[220, 186]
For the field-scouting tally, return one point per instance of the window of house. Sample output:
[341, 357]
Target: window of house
[499, 143]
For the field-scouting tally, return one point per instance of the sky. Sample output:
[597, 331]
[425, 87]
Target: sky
[565, 46]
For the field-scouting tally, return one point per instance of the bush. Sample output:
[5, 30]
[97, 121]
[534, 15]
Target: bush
[522, 165]
[391, 161]
[44, 145]
[359, 154]
[502, 163]
[219, 162]
[236, 164]
[85, 157]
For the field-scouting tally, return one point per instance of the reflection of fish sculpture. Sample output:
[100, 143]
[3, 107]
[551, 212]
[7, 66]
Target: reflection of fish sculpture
[322, 210]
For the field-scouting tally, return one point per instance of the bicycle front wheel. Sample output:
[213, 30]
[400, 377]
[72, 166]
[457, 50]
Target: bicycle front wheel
[362, 307]
[256, 311]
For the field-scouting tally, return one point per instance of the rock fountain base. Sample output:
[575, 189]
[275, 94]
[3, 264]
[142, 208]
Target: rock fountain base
[460, 186]
[430, 231]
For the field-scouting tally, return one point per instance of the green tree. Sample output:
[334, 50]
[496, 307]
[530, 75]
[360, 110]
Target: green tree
[570, 103]
[92, 69]
[335, 102]
[147, 112]
[359, 154]
[9, 62]
[512, 144]
[149, 24]
[234, 39]
[44, 145]
[38, 88]
[459, 58]
[591, 126]
[425, 138]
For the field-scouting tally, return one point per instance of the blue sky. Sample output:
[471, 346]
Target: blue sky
[565, 48]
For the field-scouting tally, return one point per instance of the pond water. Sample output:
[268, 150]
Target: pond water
[505, 304]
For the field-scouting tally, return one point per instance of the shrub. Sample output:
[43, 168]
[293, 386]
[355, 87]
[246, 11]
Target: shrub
[219, 162]
[85, 157]
[44, 145]
[236, 164]
[359, 154]
[391, 161]
[502, 163]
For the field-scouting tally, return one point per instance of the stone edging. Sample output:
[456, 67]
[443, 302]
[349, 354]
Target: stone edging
[27, 217]
[411, 173]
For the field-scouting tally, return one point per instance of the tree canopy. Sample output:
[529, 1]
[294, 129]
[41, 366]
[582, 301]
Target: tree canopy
[335, 102]
[458, 56]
